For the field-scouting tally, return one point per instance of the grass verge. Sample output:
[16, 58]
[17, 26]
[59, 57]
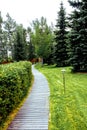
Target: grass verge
[68, 111]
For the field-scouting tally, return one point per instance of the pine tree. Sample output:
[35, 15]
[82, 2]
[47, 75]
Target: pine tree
[9, 28]
[20, 45]
[3, 51]
[1, 45]
[60, 38]
[31, 51]
[78, 36]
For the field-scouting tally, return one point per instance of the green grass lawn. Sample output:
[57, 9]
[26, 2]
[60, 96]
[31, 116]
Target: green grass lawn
[67, 111]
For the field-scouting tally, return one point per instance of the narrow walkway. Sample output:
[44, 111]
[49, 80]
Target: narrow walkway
[34, 114]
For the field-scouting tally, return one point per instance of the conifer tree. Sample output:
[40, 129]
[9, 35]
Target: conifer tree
[31, 51]
[3, 51]
[78, 36]
[9, 29]
[60, 38]
[9, 26]
[20, 44]
[1, 44]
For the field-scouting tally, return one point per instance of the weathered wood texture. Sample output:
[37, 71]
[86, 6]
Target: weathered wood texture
[34, 114]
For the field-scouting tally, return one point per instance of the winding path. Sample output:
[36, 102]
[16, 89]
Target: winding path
[34, 114]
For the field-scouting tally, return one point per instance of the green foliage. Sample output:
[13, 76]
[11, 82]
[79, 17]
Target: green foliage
[20, 44]
[2, 47]
[42, 38]
[67, 111]
[61, 55]
[9, 32]
[78, 36]
[15, 80]
[31, 51]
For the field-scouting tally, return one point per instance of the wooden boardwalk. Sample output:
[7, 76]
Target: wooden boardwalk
[34, 114]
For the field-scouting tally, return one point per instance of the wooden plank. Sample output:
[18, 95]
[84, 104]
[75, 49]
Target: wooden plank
[34, 114]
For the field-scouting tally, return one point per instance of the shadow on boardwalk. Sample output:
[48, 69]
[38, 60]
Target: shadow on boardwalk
[34, 114]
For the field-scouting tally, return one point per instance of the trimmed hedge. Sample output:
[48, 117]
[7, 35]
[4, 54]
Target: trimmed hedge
[15, 80]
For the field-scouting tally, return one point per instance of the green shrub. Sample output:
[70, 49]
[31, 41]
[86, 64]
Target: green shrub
[15, 80]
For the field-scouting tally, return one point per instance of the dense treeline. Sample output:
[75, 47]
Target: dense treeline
[71, 46]
[66, 44]
[25, 44]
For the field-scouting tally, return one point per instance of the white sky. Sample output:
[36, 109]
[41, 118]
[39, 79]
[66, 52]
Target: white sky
[24, 11]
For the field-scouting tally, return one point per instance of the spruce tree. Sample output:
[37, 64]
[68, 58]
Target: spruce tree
[60, 38]
[3, 49]
[9, 29]
[78, 36]
[1, 44]
[31, 51]
[20, 44]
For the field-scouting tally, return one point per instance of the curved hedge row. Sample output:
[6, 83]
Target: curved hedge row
[15, 80]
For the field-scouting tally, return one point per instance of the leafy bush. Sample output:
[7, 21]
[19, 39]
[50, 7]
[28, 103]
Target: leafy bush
[15, 79]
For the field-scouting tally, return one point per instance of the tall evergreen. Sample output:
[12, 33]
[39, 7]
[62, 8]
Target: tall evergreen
[20, 44]
[3, 51]
[78, 36]
[1, 45]
[60, 38]
[9, 27]
[31, 51]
